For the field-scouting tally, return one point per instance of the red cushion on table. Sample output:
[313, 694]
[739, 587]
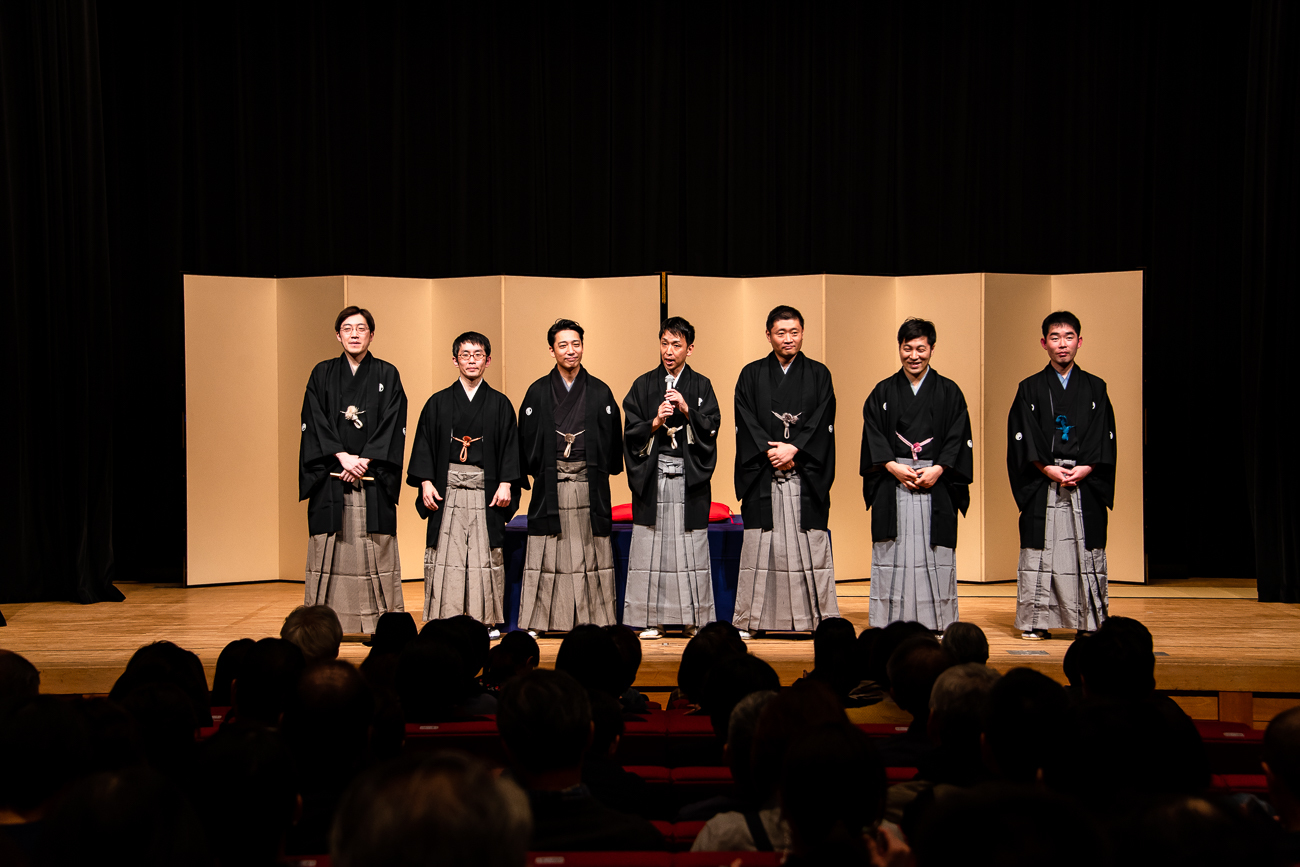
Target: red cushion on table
[622, 514]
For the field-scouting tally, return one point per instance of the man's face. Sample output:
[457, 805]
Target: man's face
[786, 337]
[355, 335]
[915, 355]
[567, 351]
[472, 361]
[1061, 343]
[673, 349]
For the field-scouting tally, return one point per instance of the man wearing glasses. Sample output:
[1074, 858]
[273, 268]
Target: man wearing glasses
[465, 461]
[350, 472]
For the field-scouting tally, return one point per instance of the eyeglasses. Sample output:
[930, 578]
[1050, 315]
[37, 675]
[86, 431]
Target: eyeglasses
[351, 329]
[471, 356]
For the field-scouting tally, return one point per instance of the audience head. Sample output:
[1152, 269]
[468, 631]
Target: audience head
[712, 644]
[1189, 831]
[316, 630]
[444, 808]
[629, 650]
[795, 712]
[1022, 732]
[45, 746]
[589, 654]
[730, 681]
[20, 682]
[229, 664]
[132, 816]
[958, 704]
[164, 720]
[515, 654]
[966, 642]
[740, 737]
[607, 724]
[393, 632]
[269, 675]
[244, 794]
[887, 641]
[1282, 764]
[329, 716]
[1119, 662]
[467, 637]
[430, 681]
[1123, 749]
[835, 655]
[544, 718]
[913, 668]
[832, 790]
[1072, 664]
[164, 662]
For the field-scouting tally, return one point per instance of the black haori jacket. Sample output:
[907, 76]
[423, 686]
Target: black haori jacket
[433, 452]
[807, 391]
[938, 411]
[699, 452]
[538, 453]
[1047, 422]
[376, 390]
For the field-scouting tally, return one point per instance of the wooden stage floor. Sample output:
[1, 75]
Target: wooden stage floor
[1213, 634]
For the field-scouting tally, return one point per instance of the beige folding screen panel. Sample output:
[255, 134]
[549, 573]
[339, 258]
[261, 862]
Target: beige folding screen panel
[245, 520]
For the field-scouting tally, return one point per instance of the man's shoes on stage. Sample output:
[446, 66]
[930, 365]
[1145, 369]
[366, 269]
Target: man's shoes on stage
[532, 633]
[745, 636]
[1035, 635]
[689, 630]
[649, 634]
[494, 634]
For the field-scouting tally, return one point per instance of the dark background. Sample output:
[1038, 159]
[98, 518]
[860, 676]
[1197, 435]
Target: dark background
[274, 138]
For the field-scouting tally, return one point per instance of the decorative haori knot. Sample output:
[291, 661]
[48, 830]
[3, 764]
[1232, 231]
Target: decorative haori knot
[464, 445]
[915, 447]
[672, 434]
[788, 418]
[568, 440]
[1064, 428]
[353, 415]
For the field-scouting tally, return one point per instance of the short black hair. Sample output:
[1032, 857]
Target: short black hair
[353, 311]
[679, 326]
[563, 325]
[544, 718]
[472, 337]
[783, 312]
[913, 328]
[966, 642]
[1062, 317]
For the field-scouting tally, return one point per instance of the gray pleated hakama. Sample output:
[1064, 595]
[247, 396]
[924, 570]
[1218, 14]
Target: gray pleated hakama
[1063, 585]
[358, 574]
[669, 579]
[787, 576]
[569, 578]
[464, 574]
[910, 578]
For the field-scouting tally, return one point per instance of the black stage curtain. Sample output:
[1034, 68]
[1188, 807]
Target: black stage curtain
[62, 354]
[728, 138]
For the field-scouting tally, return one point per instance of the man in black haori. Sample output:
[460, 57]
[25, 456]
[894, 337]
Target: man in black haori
[785, 464]
[1061, 462]
[465, 460]
[350, 472]
[670, 448]
[570, 440]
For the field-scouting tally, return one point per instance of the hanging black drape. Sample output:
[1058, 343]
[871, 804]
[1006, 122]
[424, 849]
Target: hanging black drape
[417, 139]
[63, 355]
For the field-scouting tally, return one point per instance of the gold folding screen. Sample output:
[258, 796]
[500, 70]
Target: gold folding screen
[243, 396]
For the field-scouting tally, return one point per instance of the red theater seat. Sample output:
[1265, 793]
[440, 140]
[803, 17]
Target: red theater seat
[684, 834]
[643, 739]
[899, 775]
[476, 737]
[727, 859]
[882, 730]
[654, 775]
[1231, 748]
[1247, 784]
[691, 740]
[600, 859]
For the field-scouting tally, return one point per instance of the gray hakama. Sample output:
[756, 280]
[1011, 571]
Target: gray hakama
[787, 577]
[569, 578]
[669, 580]
[910, 578]
[1063, 585]
[356, 573]
[464, 574]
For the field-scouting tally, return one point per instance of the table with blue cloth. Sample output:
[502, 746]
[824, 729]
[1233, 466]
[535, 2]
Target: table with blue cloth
[725, 539]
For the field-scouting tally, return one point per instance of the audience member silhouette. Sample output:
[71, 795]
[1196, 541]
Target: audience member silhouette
[45, 746]
[430, 681]
[423, 809]
[515, 654]
[1282, 771]
[913, 668]
[20, 682]
[316, 630]
[243, 792]
[164, 662]
[269, 674]
[545, 722]
[835, 657]
[590, 656]
[832, 790]
[713, 643]
[1022, 732]
[629, 649]
[229, 664]
[966, 642]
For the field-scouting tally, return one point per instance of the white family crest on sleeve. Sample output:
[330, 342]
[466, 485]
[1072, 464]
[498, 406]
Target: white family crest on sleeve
[830, 428]
[970, 444]
[1094, 404]
[403, 431]
[701, 403]
[608, 411]
[381, 386]
[304, 427]
[1112, 434]
[1031, 407]
[1019, 436]
[528, 410]
[885, 406]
